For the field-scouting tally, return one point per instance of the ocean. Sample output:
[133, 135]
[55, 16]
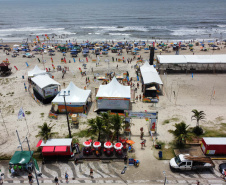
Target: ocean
[102, 20]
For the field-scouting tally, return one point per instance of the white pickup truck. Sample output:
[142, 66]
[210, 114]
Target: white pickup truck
[186, 162]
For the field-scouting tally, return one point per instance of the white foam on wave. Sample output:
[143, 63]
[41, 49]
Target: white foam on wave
[114, 28]
[222, 25]
[123, 34]
[187, 31]
[30, 29]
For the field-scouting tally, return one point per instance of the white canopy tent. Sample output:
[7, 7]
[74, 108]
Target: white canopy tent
[114, 90]
[36, 71]
[149, 74]
[43, 81]
[113, 96]
[77, 96]
[196, 59]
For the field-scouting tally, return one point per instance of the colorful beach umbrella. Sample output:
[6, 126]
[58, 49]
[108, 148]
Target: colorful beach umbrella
[97, 144]
[118, 146]
[108, 144]
[130, 142]
[87, 144]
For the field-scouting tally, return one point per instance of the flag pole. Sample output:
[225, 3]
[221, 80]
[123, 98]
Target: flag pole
[26, 124]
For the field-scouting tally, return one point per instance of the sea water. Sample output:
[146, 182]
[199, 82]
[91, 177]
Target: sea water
[101, 20]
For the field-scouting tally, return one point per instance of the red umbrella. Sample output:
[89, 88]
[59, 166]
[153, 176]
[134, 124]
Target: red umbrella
[87, 144]
[96, 144]
[118, 146]
[107, 144]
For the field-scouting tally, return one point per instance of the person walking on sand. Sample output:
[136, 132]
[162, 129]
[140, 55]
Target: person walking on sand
[125, 159]
[140, 97]
[91, 173]
[66, 177]
[141, 135]
[30, 178]
[56, 181]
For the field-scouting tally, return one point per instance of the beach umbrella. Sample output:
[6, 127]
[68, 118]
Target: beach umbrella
[118, 146]
[51, 51]
[74, 50]
[87, 144]
[136, 49]
[97, 144]
[130, 142]
[108, 144]
[146, 48]
[190, 45]
[183, 46]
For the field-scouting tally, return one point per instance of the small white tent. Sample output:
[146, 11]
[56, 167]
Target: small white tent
[45, 88]
[113, 96]
[76, 100]
[36, 71]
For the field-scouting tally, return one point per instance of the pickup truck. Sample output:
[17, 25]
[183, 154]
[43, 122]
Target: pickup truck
[184, 162]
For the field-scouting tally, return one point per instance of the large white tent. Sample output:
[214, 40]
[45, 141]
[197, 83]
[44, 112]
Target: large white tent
[113, 96]
[196, 59]
[36, 71]
[76, 99]
[149, 74]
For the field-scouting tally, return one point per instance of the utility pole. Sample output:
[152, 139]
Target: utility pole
[19, 140]
[32, 160]
[69, 130]
[164, 173]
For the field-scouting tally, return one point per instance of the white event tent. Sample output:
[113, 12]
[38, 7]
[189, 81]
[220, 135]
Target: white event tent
[45, 88]
[113, 96]
[150, 74]
[36, 71]
[76, 99]
[195, 59]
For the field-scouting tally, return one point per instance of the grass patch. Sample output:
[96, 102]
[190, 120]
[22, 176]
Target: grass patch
[174, 119]
[167, 153]
[42, 114]
[166, 121]
[27, 112]
[219, 118]
[223, 125]
[82, 133]
[212, 132]
[5, 157]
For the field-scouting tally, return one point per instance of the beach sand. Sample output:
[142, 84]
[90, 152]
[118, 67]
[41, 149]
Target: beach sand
[190, 94]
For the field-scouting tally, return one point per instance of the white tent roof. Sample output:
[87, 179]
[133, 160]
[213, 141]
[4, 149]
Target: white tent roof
[44, 81]
[215, 140]
[114, 90]
[77, 96]
[57, 142]
[36, 71]
[184, 59]
[149, 74]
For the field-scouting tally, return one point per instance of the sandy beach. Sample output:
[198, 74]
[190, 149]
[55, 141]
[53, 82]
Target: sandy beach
[196, 93]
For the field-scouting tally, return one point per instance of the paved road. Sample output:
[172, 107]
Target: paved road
[110, 173]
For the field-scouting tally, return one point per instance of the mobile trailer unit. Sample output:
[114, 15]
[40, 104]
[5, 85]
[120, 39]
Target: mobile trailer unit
[214, 145]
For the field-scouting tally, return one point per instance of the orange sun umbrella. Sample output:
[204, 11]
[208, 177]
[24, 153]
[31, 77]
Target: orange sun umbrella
[130, 142]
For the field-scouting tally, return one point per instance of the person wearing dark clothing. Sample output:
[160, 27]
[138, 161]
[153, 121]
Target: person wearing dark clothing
[56, 181]
[30, 178]
[125, 159]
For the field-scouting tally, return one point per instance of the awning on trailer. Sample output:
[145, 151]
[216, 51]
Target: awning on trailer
[60, 148]
[48, 149]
